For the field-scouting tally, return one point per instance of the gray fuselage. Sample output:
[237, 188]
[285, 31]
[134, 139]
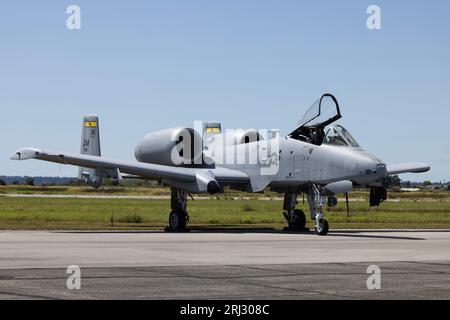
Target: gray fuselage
[298, 163]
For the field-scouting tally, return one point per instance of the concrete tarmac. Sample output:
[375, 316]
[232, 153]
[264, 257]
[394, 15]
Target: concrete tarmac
[219, 264]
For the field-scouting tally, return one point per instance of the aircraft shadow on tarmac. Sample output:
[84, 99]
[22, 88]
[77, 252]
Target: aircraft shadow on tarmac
[353, 235]
[335, 233]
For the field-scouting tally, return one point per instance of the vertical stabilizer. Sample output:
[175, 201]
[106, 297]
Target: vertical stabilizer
[90, 138]
[210, 129]
[90, 145]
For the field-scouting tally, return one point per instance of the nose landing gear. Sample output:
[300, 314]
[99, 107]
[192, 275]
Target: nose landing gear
[315, 201]
[322, 227]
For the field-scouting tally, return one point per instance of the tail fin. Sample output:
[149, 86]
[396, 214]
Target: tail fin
[210, 129]
[90, 145]
[90, 138]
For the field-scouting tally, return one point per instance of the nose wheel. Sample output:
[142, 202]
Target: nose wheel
[315, 201]
[322, 227]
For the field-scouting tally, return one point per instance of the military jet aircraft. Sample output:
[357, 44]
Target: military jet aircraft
[318, 158]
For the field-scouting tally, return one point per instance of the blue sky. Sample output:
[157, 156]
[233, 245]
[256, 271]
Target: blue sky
[147, 65]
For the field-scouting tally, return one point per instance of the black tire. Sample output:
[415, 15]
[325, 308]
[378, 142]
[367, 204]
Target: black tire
[178, 220]
[299, 222]
[324, 230]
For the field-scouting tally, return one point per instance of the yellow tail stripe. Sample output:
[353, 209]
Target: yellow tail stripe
[90, 124]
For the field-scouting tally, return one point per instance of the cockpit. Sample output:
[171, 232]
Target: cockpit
[315, 125]
[311, 127]
[337, 135]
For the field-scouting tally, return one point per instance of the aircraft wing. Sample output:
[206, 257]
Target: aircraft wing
[192, 179]
[416, 167]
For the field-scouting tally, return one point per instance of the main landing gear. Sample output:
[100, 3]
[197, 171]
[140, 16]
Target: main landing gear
[296, 218]
[178, 218]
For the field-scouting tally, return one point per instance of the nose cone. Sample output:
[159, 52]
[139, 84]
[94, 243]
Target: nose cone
[371, 171]
[381, 169]
[371, 165]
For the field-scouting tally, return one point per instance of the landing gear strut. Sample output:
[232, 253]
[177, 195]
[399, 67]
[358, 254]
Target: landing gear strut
[296, 218]
[178, 218]
[315, 201]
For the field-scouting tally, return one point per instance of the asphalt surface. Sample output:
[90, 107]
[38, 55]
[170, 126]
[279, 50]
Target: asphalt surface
[217, 264]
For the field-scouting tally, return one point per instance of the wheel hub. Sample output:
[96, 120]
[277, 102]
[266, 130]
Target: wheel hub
[174, 221]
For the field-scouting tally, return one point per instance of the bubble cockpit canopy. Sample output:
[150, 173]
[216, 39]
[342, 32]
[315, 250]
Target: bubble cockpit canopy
[337, 135]
[322, 113]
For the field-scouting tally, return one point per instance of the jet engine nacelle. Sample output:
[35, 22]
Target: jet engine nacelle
[171, 147]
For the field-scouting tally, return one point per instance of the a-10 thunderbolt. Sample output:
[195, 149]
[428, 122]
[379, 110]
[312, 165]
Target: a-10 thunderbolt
[318, 158]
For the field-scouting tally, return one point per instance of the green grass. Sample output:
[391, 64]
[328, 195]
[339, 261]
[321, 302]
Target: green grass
[164, 191]
[95, 214]
[75, 190]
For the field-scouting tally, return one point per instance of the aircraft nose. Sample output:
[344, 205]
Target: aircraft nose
[371, 171]
[381, 169]
[376, 168]
[373, 166]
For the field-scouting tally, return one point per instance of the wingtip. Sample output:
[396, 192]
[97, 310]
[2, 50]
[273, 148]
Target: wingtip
[414, 167]
[425, 167]
[25, 154]
[15, 156]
